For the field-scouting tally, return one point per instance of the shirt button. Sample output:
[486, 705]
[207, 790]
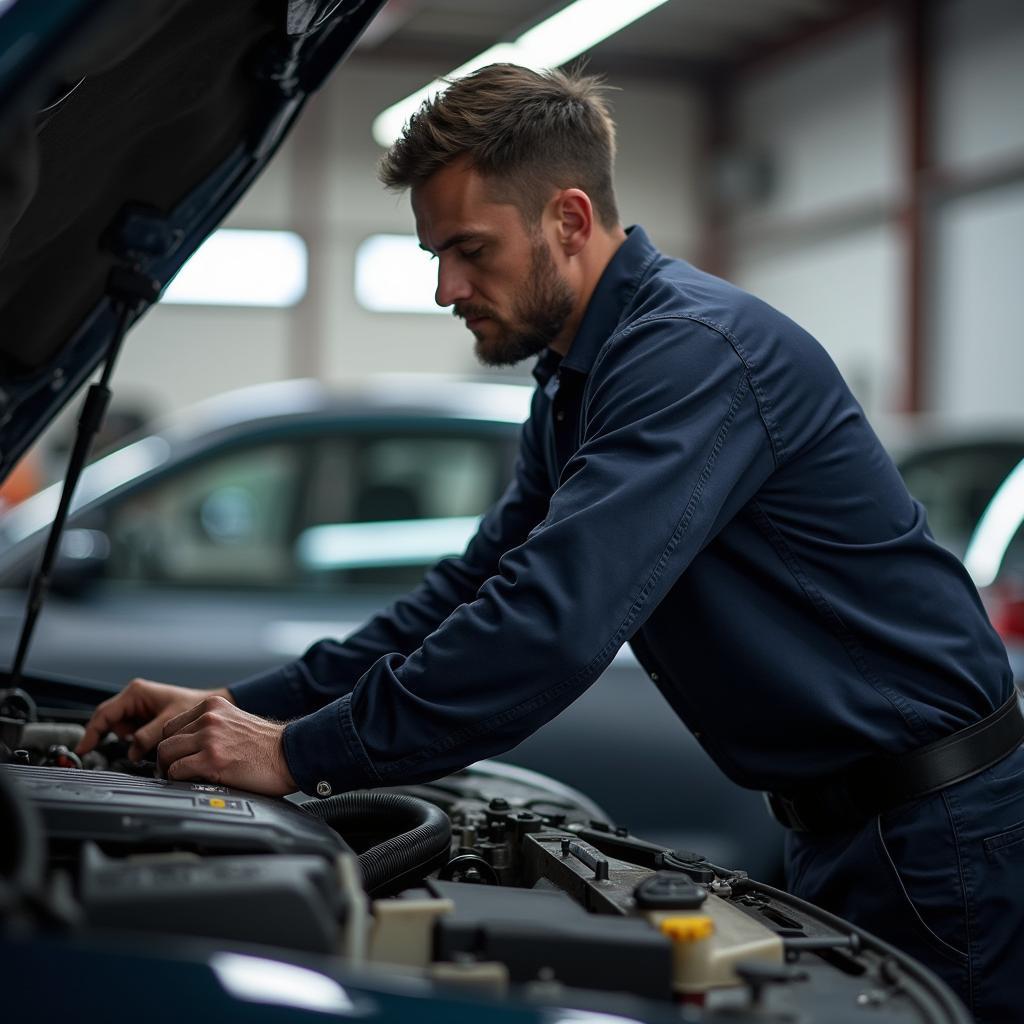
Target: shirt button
[323, 789]
[654, 677]
[560, 415]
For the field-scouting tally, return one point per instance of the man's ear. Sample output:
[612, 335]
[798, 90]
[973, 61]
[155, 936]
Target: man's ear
[574, 219]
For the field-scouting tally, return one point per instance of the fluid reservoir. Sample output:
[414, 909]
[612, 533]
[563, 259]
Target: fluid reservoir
[707, 946]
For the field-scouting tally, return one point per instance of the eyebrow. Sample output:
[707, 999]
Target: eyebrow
[457, 239]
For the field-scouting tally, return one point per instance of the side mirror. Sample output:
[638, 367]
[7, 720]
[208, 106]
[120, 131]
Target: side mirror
[81, 561]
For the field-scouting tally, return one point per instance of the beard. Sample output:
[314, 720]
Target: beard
[540, 312]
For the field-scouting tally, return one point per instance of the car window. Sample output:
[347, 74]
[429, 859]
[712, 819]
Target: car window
[382, 509]
[228, 520]
[955, 485]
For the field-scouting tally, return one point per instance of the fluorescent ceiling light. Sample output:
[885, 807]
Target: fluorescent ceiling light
[394, 275]
[555, 41]
[243, 268]
[996, 528]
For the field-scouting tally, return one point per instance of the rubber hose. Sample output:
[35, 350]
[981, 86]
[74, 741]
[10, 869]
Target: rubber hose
[420, 840]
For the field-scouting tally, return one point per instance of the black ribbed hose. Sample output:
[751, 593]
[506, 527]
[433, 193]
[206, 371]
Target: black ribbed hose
[418, 835]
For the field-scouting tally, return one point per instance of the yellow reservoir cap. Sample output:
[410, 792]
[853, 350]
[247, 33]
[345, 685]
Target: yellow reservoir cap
[688, 929]
[217, 802]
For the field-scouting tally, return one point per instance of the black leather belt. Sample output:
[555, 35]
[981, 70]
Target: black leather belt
[879, 784]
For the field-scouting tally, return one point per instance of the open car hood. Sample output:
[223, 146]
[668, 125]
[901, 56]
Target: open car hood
[128, 130]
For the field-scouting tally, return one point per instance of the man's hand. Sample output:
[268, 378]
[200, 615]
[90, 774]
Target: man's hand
[142, 708]
[219, 742]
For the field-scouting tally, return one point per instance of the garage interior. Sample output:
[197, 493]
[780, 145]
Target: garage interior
[858, 165]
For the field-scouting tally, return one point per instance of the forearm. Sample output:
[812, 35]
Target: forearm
[331, 668]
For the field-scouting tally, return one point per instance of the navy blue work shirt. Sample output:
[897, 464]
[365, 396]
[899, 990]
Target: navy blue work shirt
[694, 479]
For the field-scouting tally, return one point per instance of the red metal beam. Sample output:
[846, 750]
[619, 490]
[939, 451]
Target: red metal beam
[715, 247]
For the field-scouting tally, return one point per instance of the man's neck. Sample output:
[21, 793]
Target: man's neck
[594, 259]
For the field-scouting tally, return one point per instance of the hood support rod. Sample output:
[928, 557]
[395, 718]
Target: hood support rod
[131, 291]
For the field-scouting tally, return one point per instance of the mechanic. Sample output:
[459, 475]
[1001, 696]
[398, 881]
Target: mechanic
[695, 479]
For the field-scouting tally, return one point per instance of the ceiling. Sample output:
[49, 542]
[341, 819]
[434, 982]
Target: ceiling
[681, 39]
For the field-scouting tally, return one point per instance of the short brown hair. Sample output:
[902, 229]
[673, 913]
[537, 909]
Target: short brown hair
[529, 132]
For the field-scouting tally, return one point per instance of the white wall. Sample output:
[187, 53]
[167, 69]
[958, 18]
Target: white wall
[828, 124]
[978, 244]
[979, 81]
[831, 122]
[978, 374]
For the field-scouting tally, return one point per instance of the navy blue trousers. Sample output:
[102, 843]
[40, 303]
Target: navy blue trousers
[942, 879]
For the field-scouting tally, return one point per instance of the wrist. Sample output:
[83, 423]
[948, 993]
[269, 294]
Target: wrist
[285, 770]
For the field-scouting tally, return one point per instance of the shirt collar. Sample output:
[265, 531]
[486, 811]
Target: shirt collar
[614, 290]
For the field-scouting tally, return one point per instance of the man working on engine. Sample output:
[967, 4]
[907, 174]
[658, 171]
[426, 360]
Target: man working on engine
[694, 479]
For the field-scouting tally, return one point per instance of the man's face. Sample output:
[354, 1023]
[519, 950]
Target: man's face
[499, 276]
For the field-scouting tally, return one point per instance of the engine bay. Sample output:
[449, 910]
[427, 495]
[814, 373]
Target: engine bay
[495, 884]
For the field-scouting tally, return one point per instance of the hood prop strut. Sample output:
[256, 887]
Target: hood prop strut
[131, 291]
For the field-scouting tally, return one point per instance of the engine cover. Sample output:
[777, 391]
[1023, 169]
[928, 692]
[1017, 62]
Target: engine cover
[138, 814]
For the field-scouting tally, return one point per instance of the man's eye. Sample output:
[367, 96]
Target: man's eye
[471, 254]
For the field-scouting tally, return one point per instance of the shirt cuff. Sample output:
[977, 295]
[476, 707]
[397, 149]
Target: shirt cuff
[324, 752]
[277, 694]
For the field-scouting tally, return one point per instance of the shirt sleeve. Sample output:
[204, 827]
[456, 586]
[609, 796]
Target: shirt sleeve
[672, 445]
[330, 668]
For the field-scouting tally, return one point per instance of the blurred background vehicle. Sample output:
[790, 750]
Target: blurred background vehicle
[973, 488]
[227, 541]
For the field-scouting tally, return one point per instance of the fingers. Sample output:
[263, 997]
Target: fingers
[107, 715]
[188, 717]
[190, 767]
[174, 749]
[168, 724]
[143, 704]
[193, 753]
[97, 727]
[146, 738]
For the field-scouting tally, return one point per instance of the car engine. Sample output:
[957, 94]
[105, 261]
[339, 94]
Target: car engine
[494, 884]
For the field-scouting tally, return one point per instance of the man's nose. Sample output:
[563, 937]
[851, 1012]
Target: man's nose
[452, 286]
